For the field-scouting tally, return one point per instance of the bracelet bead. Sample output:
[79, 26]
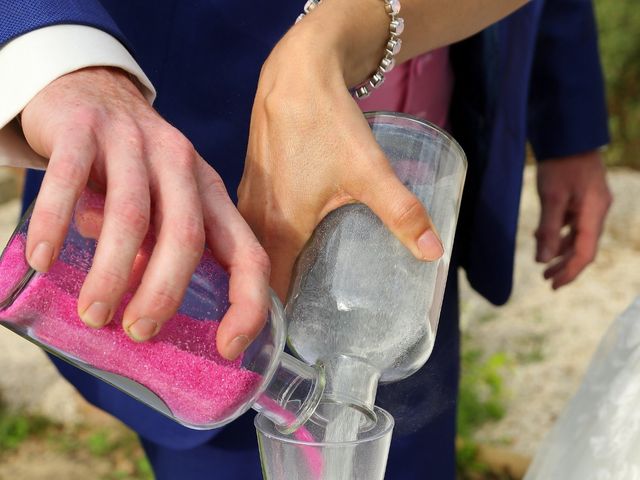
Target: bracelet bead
[377, 79]
[397, 26]
[387, 63]
[392, 7]
[393, 46]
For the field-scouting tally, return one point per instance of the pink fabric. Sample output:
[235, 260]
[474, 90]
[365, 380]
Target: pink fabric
[421, 87]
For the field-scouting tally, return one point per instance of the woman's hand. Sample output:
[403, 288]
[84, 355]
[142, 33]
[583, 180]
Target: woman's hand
[311, 149]
[94, 124]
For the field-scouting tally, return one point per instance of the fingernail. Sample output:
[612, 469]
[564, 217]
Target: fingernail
[237, 346]
[41, 257]
[143, 329]
[430, 246]
[97, 315]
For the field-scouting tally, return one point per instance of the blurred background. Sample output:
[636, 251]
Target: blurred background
[521, 362]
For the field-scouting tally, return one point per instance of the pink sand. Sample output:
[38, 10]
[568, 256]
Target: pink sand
[313, 454]
[14, 265]
[181, 365]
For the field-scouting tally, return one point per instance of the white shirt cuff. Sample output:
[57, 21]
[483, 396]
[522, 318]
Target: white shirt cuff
[33, 60]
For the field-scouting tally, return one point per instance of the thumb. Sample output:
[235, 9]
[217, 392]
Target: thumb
[403, 214]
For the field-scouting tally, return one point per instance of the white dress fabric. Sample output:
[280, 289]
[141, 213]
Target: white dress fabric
[597, 437]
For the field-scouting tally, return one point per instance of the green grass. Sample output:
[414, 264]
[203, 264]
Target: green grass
[16, 427]
[482, 399]
[619, 31]
[531, 349]
[99, 444]
[488, 316]
[116, 445]
[119, 446]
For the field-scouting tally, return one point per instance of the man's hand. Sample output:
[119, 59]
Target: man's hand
[94, 125]
[575, 198]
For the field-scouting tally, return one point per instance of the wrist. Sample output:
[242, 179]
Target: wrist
[353, 33]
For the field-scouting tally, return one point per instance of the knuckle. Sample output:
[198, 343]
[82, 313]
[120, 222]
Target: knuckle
[133, 136]
[88, 116]
[185, 160]
[174, 147]
[68, 173]
[543, 233]
[165, 299]
[272, 104]
[584, 257]
[110, 280]
[571, 273]
[183, 145]
[177, 141]
[134, 216]
[190, 235]
[214, 185]
[406, 212]
[257, 314]
[552, 196]
[49, 216]
[282, 106]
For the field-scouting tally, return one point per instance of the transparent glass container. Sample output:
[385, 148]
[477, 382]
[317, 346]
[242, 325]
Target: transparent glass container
[360, 303]
[301, 456]
[179, 372]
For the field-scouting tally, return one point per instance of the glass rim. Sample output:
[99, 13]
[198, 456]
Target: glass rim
[381, 114]
[381, 414]
[21, 283]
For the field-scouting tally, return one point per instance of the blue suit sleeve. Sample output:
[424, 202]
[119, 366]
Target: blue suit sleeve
[18, 17]
[567, 108]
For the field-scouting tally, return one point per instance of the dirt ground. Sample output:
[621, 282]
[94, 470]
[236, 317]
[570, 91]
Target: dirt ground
[548, 336]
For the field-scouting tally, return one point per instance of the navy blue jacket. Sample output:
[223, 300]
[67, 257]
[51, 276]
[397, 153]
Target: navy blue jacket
[535, 75]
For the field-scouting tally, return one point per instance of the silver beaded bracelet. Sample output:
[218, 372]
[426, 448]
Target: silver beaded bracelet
[394, 43]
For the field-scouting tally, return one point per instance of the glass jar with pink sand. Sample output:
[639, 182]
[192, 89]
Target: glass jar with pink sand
[179, 372]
